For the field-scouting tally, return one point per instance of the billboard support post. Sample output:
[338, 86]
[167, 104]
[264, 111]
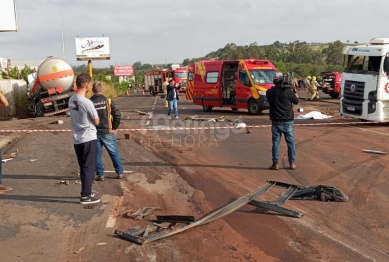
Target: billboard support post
[90, 68]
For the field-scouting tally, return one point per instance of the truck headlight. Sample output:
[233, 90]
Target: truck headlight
[262, 93]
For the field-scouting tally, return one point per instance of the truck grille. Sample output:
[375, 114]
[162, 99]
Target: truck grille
[353, 97]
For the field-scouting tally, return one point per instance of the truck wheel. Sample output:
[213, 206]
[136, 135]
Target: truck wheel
[39, 109]
[334, 95]
[253, 108]
[207, 108]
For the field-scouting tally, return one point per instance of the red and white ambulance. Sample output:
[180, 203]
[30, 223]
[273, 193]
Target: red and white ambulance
[209, 84]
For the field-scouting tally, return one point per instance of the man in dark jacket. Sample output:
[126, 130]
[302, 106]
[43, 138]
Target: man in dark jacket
[109, 116]
[172, 98]
[281, 100]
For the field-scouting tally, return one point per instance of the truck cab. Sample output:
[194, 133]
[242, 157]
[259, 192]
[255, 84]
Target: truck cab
[235, 84]
[365, 81]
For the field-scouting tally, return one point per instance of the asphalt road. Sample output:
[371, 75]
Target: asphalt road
[194, 172]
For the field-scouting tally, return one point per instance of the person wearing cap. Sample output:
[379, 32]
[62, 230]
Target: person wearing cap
[172, 97]
[164, 88]
[281, 100]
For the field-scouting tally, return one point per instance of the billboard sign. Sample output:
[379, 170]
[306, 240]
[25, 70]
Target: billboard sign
[8, 22]
[92, 48]
[123, 71]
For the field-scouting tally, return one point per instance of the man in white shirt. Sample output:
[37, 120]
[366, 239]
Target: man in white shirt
[84, 120]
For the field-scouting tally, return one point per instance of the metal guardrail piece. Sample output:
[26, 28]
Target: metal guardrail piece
[221, 212]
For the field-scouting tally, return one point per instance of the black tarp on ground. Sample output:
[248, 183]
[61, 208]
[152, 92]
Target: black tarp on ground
[320, 192]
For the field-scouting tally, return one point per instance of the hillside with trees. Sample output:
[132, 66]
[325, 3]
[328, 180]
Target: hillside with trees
[299, 57]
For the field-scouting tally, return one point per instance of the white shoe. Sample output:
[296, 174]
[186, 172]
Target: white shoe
[169, 117]
[177, 117]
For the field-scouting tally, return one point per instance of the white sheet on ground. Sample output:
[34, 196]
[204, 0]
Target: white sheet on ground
[313, 115]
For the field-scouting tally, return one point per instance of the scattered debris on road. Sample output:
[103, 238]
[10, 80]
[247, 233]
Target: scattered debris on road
[134, 234]
[64, 182]
[12, 155]
[33, 160]
[58, 122]
[101, 244]
[214, 119]
[374, 152]
[6, 160]
[80, 250]
[322, 192]
[140, 213]
[144, 113]
[124, 172]
[174, 219]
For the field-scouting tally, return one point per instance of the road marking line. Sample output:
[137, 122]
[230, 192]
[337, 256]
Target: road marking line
[114, 212]
[372, 131]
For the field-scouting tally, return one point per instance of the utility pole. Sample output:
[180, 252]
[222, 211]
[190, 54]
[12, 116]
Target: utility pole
[63, 43]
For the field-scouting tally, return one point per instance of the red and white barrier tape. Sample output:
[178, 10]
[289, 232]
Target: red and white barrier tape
[195, 128]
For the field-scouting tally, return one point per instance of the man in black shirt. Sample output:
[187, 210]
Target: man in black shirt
[110, 117]
[281, 100]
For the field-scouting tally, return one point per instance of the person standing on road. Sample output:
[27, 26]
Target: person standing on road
[109, 116]
[308, 87]
[281, 100]
[3, 103]
[164, 88]
[172, 97]
[84, 118]
[314, 86]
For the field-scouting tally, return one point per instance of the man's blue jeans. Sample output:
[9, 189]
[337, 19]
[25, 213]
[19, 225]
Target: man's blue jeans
[173, 106]
[286, 128]
[109, 142]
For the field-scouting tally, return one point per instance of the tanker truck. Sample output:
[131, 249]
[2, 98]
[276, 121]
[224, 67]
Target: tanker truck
[51, 87]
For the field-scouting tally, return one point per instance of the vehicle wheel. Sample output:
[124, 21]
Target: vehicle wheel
[334, 95]
[39, 109]
[207, 108]
[235, 109]
[253, 108]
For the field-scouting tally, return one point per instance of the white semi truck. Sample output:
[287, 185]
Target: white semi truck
[365, 81]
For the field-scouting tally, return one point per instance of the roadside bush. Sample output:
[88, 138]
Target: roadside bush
[108, 90]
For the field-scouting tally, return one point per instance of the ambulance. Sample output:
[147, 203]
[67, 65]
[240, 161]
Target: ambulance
[365, 81]
[235, 84]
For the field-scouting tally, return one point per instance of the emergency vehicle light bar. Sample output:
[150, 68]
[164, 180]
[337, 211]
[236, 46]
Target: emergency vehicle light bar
[253, 61]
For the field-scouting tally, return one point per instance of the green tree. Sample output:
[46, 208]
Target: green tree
[280, 66]
[335, 53]
[186, 62]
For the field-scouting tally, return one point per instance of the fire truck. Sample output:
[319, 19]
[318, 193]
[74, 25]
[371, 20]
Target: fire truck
[153, 80]
[365, 81]
[330, 83]
[209, 84]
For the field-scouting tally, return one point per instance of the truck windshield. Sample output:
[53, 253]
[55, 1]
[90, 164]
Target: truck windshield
[181, 75]
[363, 64]
[262, 76]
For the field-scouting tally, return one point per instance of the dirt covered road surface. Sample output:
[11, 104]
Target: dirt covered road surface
[194, 172]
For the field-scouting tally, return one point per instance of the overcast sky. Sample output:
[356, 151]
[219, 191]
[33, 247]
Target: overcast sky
[155, 31]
